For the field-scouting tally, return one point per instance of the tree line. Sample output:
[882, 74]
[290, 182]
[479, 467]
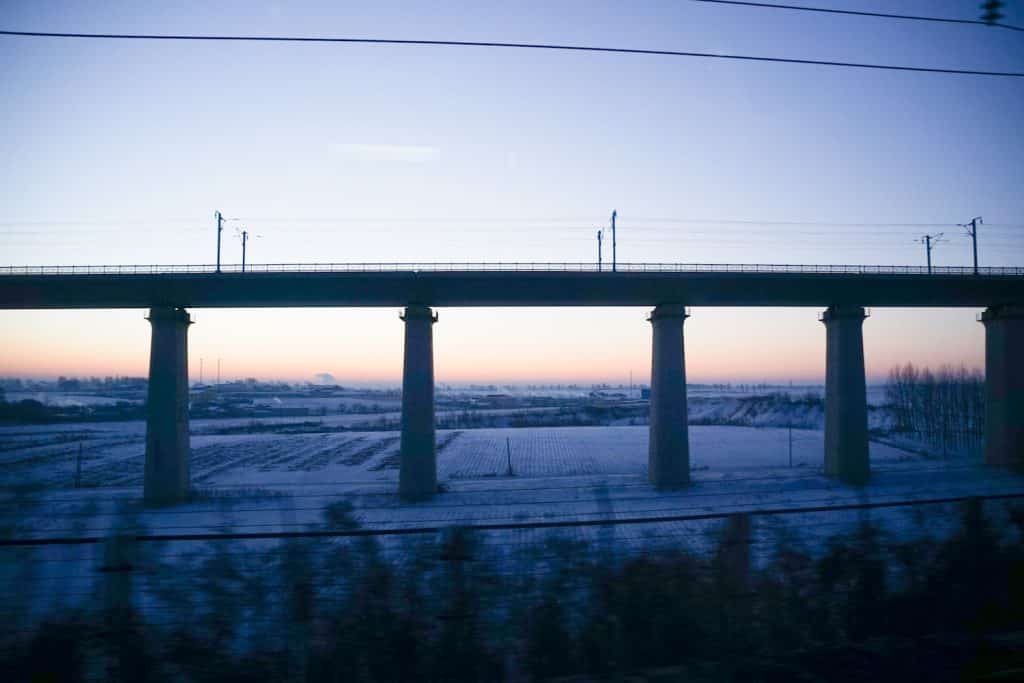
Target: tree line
[944, 409]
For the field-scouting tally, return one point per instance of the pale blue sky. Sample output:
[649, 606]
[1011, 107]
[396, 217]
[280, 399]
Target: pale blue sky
[120, 152]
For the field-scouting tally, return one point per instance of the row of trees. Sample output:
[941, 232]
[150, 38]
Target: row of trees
[945, 408]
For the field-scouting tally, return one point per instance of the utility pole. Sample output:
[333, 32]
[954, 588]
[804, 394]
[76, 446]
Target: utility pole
[200, 371]
[614, 259]
[599, 237]
[972, 230]
[218, 373]
[245, 238]
[929, 242]
[220, 229]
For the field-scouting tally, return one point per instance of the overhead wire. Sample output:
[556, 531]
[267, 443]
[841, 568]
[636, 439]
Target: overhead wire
[509, 45]
[634, 224]
[385, 486]
[695, 500]
[547, 220]
[863, 13]
[502, 526]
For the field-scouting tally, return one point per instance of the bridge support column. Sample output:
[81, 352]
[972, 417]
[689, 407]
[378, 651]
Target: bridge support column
[166, 479]
[846, 406]
[1004, 385]
[668, 456]
[417, 475]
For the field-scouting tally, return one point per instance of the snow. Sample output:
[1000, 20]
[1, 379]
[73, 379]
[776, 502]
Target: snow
[282, 473]
[278, 481]
[65, 399]
[284, 482]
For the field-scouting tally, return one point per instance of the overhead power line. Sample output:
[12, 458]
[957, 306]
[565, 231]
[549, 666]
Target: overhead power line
[580, 222]
[862, 13]
[526, 46]
[507, 526]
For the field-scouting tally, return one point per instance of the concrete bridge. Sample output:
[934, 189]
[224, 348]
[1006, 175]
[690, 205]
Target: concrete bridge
[843, 291]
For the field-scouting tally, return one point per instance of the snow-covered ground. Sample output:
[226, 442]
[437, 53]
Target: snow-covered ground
[64, 399]
[281, 473]
[285, 480]
[112, 453]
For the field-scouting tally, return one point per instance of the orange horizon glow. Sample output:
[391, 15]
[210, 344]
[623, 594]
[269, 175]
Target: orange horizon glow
[481, 346]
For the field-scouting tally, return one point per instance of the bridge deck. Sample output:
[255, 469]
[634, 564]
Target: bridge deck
[505, 285]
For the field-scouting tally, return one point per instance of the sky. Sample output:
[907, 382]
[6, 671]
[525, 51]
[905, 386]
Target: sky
[120, 152]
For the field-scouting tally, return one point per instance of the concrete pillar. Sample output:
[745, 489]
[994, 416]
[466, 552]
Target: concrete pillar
[1004, 385]
[846, 405]
[417, 475]
[167, 446]
[668, 455]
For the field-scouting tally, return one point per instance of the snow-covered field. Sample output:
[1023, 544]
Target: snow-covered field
[282, 473]
[64, 399]
[112, 454]
[286, 480]
[564, 475]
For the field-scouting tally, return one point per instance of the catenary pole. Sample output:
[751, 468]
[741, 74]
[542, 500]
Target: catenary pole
[220, 229]
[614, 255]
[245, 238]
[974, 240]
[929, 242]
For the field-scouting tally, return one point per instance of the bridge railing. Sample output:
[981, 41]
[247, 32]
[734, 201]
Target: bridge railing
[519, 266]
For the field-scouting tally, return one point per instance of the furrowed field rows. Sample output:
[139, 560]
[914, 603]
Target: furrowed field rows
[51, 459]
[113, 455]
[560, 451]
[305, 453]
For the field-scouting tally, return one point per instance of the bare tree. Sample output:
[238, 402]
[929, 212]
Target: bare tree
[944, 409]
